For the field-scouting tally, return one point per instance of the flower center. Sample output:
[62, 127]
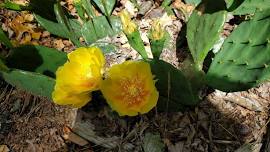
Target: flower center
[133, 91]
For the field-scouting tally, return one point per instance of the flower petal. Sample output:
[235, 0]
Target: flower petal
[129, 88]
[78, 77]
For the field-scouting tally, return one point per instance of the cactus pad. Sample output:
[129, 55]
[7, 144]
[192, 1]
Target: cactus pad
[35, 83]
[250, 6]
[244, 59]
[202, 33]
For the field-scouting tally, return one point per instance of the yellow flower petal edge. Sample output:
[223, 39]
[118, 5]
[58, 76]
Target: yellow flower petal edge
[62, 97]
[128, 25]
[78, 77]
[129, 88]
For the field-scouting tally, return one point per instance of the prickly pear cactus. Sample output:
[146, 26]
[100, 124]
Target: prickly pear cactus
[175, 90]
[250, 6]
[35, 83]
[3, 67]
[203, 31]
[244, 59]
[38, 59]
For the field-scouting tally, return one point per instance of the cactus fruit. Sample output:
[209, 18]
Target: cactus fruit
[157, 38]
[244, 59]
[203, 31]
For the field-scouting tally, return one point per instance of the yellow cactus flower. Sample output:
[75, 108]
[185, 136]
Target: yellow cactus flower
[128, 25]
[76, 100]
[78, 77]
[129, 88]
[157, 32]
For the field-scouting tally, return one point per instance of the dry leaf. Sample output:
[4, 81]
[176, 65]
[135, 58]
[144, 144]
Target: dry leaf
[36, 35]
[28, 17]
[24, 30]
[58, 44]
[178, 147]
[187, 8]
[4, 148]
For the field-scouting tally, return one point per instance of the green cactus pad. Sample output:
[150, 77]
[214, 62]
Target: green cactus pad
[4, 39]
[136, 42]
[157, 47]
[202, 33]
[175, 90]
[99, 28]
[3, 67]
[244, 59]
[36, 59]
[35, 83]
[250, 6]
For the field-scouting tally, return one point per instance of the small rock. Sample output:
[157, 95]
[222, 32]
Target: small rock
[156, 13]
[59, 44]
[45, 34]
[16, 106]
[145, 7]
[243, 129]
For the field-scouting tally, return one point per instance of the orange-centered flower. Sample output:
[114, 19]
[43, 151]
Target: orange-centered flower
[130, 89]
[78, 77]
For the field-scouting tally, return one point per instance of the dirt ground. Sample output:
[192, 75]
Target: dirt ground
[222, 122]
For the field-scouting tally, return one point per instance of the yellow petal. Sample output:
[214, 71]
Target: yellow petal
[78, 77]
[61, 97]
[87, 56]
[128, 25]
[129, 88]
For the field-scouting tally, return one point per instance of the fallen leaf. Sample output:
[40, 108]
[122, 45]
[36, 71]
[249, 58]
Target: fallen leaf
[28, 17]
[36, 35]
[4, 148]
[250, 147]
[25, 31]
[152, 143]
[178, 147]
